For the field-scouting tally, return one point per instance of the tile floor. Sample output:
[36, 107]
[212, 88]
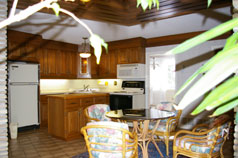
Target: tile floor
[39, 144]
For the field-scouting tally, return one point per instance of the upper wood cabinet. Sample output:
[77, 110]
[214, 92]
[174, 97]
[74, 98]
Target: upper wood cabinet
[59, 60]
[121, 52]
[56, 59]
[23, 47]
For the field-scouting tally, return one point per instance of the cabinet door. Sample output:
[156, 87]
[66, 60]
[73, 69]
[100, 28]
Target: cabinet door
[82, 118]
[123, 55]
[107, 66]
[14, 50]
[43, 60]
[113, 64]
[30, 53]
[43, 111]
[94, 66]
[101, 100]
[22, 52]
[104, 68]
[86, 102]
[71, 64]
[136, 55]
[51, 62]
[61, 63]
[72, 122]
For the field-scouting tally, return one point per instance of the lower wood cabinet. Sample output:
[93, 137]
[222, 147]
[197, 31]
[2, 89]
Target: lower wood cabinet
[66, 116]
[43, 110]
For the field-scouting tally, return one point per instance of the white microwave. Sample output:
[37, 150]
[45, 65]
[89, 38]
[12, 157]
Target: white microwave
[131, 71]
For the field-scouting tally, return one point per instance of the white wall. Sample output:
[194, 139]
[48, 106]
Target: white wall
[60, 85]
[183, 74]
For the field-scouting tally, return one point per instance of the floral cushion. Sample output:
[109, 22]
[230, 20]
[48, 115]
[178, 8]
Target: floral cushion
[211, 137]
[197, 147]
[162, 126]
[167, 106]
[163, 122]
[114, 138]
[98, 111]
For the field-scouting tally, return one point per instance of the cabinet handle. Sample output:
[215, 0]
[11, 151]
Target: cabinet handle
[73, 103]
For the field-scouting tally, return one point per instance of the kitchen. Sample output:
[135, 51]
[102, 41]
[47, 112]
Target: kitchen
[53, 67]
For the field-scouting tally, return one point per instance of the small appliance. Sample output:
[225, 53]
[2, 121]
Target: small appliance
[132, 96]
[131, 71]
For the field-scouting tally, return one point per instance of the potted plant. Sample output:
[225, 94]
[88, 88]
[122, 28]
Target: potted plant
[219, 73]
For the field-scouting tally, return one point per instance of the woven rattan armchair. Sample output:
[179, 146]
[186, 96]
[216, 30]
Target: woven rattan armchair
[97, 112]
[202, 142]
[110, 139]
[167, 127]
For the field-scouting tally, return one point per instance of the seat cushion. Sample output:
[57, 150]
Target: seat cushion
[197, 147]
[163, 122]
[98, 111]
[167, 106]
[114, 137]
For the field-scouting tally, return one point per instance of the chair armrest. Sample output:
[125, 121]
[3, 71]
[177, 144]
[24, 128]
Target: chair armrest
[173, 121]
[200, 128]
[88, 117]
[191, 133]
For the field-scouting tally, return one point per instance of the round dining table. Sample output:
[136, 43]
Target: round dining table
[141, 119]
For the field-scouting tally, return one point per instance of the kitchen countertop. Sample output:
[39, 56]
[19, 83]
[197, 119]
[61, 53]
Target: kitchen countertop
[79, 95]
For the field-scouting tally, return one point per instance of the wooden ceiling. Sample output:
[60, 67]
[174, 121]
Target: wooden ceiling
[125, 12]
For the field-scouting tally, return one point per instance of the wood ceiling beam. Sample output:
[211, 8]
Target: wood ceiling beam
[177, 39]
[173, 10]
[125, 12]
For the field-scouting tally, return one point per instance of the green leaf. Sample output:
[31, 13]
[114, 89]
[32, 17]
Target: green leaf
[228, 94]
[209, 2]
[219, 95]
[97, 42]
[225, 108]
[56, 8]
[215, 75]
[156, 3]
[147, 3]
[231, 41]
[208, 65]
[220, 29]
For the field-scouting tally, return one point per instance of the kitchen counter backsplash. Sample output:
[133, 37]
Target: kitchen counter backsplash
[58, 86]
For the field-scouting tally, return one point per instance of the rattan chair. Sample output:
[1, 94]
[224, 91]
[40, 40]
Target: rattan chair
[167, 127]
[110, 139]
[97, 112]
[201, 142]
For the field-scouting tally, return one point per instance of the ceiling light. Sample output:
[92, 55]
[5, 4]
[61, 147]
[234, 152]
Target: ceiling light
[84, 49]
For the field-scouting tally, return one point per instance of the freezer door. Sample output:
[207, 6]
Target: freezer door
[23, 73]
[23, 101]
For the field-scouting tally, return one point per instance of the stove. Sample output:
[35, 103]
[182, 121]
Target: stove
[132, 96]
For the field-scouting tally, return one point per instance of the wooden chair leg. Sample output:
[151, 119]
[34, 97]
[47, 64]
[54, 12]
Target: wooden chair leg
[175, 154]
[166, 141]
[221, 153]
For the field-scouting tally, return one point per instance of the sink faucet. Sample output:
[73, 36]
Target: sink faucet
[85, 87]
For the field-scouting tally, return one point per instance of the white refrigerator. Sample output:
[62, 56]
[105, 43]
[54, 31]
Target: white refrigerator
[23, 93]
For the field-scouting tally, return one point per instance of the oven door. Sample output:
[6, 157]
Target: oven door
[120, 101]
